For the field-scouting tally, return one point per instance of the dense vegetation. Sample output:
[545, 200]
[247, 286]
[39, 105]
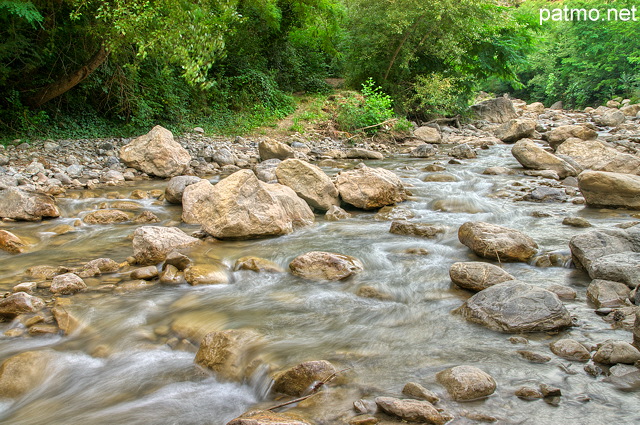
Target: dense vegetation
[82, 68]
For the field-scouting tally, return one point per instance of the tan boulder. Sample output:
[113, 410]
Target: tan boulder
[11, 243]
[67, 283]
[106, 217]
[360, 153]
[318, 265]
[298, 379]
[206, 274]
[156, 153]
[336, 213]
[151, 244]
[19, 303]
[23, 372]
[601, 188]
[412, 410]
[229, 353]
[18, 204]
[257, 264]
[599, 156]
[265, 417]
[611, 117]
[497, 242]
[466, 383]
[516, 129]
[613, 352]
[562, 133]
[536, 108]
[272, 149]
[570, 349]
[428, 134]
[532, 156]
[630, 110]
[477, 275]
[607, 293]
[309, 182]
[370, 188]
[498, 110]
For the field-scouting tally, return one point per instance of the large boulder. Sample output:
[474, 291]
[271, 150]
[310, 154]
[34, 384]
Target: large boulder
[428, 134]
[11, 243]
[229, 353]
[498, 110]
[610, 118]
[532, 156]
[19, 303]
[370, 188]
[309, 182]
[464, 383]
[18, 204]
[515, 307]
[477, 275]
[318, 265]
[151, 244]
[23, 372]
[272, 149]
[607, 293]
[411, 410]
[621, 267]
[176, 186]
[497, 242]
[601, 188]
[516, 129]
[630, 110]
[589, 247]
[242, 207]
[560, 134]
[599, 156]
[156, 153]
[298, 379]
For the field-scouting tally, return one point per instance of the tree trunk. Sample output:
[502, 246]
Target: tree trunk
[69, 81]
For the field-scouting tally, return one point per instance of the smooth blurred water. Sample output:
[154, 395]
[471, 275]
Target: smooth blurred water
[121, 371]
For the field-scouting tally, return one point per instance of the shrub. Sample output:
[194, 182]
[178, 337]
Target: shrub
[357, 112]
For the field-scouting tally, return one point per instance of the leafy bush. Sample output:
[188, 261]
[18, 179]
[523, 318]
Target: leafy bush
[357, 112]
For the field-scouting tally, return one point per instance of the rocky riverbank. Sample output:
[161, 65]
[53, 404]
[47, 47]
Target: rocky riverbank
[236, 190]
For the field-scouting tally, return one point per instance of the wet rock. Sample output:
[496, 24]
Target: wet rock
[464, 383]
[11, 243]
[515, 307]
[463, 151]
[43, 329]
[610, 118]
[560, 134]
[145, 273]
[151, 244]
[576, 222]
[601, 188]
[44, 272]
[336, 213]
[206, 274]
[170, 275]
[416, 390]
[534, 157]
[365, 406]
[606, 293]
[528, 393]
[613, 352]
[423, 230]
[257, 264]
[477, 275]
[563, 292]
[264, 417]
[318, 265]
[545, 174]
[17, 204]
[156, 153]
[425, 150]
[534, 357]
[180, 261]
[550, 391]
[23, 372]
[175, 188]
[106, 217]
[146, 217]
[19, 303]
[370, 188]
[195, 325]
[546, 194]
[359, 153]
[67, 320]
[104, 265]
[498, 110]
[518, 340]
[27, 287]
[394, 213]
[427, 135]
[411, 410]
[228, 353]
[309, 182]
[296, 380]
[440, 177]
[367, 291]
[588, 247]
[66, 284]
[243, 207]
[456, 205]
[364, 420]
[570, 349]
[516, 129]
[596, 155]
[498, 171]
[272, 149]
[496, 242]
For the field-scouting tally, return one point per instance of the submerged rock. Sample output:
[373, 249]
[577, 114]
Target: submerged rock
[370, 188]
[412, 410]
[229, 353]
[265, 417]
[11, 243]
[156, 153]
[109, 216]
[257, 264]
[423, 230]
[477, 275]
[23, 372]
[206, 274]
[298, 379]
[514, 307]
[497, 242]
[319, 265]
[465, 383]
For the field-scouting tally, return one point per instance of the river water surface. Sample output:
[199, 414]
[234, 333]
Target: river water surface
[128, 368]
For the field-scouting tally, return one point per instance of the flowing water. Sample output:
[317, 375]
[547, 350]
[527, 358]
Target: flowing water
[123, 370]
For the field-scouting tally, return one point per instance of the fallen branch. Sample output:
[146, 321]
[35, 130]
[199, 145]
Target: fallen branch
[313, 391]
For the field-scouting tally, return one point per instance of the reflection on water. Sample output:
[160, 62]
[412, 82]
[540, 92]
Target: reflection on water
[122, 368]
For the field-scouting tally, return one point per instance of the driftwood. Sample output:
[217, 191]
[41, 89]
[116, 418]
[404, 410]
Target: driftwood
[316, 387]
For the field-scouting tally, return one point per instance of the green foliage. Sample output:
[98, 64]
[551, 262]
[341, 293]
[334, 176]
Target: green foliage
[435, 95]
[22, 9]
[357, 112]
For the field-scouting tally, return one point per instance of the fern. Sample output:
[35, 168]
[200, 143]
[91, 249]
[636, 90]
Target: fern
[22, 9]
